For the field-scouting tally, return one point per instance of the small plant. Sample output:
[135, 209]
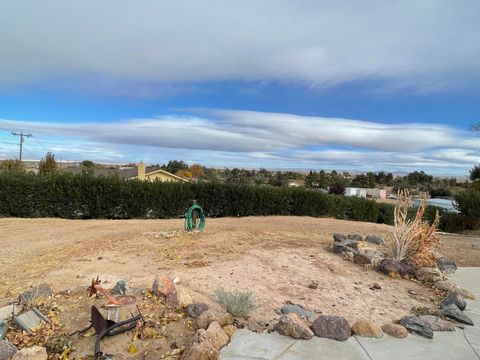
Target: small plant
[413, 239]
[237, 303]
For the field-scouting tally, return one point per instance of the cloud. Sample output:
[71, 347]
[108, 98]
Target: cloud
[135, 47]
[259, 139]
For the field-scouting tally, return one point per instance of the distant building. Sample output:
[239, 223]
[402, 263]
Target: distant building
[377, 193]
[364, 193]
[159, 175]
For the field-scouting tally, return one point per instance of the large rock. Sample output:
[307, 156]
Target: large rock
[428, 275]
[454, 298]
[183, 297]
[361, 259]
[437, 324]
[331, 327]
[163, 286]
[292, 325]
[216, 335]
[196, 309]
[453, 312]
[295, 309]
[200, 348]
[396, 268]
[450, 287]
[339, 237]
[375, 239]
[33, 353]
[367, 328]
[416, 325]
[120, 288]
[355, 237]
[35, 294]
[207, 317]
[446, 266]
[7, 350]
[345, 246]
[395, 330]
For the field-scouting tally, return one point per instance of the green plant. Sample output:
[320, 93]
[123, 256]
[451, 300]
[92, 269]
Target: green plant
[237, 303]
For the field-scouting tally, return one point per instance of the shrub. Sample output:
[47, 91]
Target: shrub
[237, 303]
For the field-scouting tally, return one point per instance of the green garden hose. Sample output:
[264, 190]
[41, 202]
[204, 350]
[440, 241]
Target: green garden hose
[194, 218]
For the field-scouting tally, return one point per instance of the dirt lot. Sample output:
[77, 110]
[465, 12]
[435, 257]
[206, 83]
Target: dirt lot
[274, 257]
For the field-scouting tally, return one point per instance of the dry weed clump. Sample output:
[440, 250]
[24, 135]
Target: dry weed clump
[414, 240]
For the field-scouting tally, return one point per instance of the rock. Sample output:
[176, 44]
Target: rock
[355, 237]
[343, 246]
[183, 297]
[374, 239]
[313, 285]
[331, 327]
[120, 288]
[437, 324]
[454, 298]
[417, 325]
[395, 268]
[33, 353]
[453, 312]
[367, 328]
[446, 266]
[361, 259]
[339, 237]
[428, 275]
[200, 348]
[3, 329]
[216, 335]
[229, 330]
[295, 309]
[7, 350]
[194, 310]
[30, 320]
[36, 293]
[448, 286]
[204, 319]
[292, 325]
[6, 312]
[163, 286]
[395, 330]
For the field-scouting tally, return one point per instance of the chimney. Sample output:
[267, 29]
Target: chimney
[141, 171]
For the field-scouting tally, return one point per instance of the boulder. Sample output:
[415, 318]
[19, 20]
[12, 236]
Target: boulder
[292, 325]
[229, 330]
[196, 309]
[448, 286]
[437, 324]
[32, 353]
[206, 318]
[7, 350]
[395, 330]
[446, 266]
[120, 288]
[416, 325]
[37, 293]
[396, 268]
[295, 309]
[361, 259]
[428, 275]
[183, 297]
[367, 328]
[374, 239]
[344, 246]
[453, 312]
[355, 237]
[163, 286]
[331, 327]
[216, 335]
[200, 348]
[339, 237]
[454, 298]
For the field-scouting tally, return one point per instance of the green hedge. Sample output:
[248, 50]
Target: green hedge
[83, 196]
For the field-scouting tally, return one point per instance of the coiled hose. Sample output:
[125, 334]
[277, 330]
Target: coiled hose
[194, 218]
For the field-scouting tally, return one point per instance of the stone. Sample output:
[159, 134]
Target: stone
[438, 324]
[416, 325]
[33, 353]
[7, 350]
[339, 237]
[446, 266]
[216, 335]
[355, 237]
[292, 325]
[395, 268]
[37, 293]
[3, 329]
[367, 328]
[120, 288]
[428, 275]
[30, 320]
[163, 286]
[395, 330]
[200, 348]
[6, 312]
[450, 287]
[313, 284]
[375, 239]
[288, 309]
[331, 327]
[453, 312]
[229, 330]
[454, 298]
[206, 318]
[183, 297]
[361, 259]
[344, 246]
[196, 309]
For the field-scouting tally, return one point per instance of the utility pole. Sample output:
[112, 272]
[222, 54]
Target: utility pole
[22, 135]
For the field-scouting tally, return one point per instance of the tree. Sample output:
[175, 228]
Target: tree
[87, 167]
[11, 165]
[48, 165]
[197, 170]
[475, 173]
[337, 189]
[173, 166]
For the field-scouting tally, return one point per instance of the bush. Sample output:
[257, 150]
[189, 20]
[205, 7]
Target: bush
[237, 303]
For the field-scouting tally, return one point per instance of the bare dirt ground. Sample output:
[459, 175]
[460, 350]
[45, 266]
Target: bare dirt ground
[274, 257]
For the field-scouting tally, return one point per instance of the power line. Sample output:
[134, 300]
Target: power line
[22, 136]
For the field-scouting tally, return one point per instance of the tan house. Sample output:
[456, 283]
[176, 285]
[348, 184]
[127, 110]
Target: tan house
[159, 175]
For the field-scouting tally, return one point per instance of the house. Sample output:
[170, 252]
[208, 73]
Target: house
[358, 192]
[156, 175]
[377, 193]
[364, 193]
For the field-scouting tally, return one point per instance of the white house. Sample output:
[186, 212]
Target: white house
[358, 192]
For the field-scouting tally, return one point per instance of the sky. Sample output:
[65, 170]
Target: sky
[353, 85]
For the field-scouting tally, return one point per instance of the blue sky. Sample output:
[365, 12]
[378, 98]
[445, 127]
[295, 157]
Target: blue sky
[364, 86]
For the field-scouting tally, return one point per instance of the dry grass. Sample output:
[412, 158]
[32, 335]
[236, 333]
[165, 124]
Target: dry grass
[414, 240]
